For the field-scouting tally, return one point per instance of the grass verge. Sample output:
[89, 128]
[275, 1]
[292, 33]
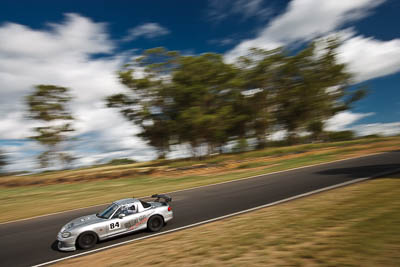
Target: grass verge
[25, 201]
[358, 225]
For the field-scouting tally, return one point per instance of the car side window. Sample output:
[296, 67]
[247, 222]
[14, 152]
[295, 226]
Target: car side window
[132, 209]
[129, 210]
[117, 213]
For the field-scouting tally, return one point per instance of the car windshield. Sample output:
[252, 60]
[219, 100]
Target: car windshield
[106, 214]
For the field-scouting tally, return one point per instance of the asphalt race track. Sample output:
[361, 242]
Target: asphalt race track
[31, 242]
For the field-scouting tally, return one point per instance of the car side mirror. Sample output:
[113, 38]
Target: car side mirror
[121, 216]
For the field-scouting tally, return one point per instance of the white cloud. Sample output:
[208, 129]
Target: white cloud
[369, 58]
[346, 120]
[147, 30]
[77, 36]
[343, 119]
[305, 20]
[11, 126]
[65, 54]
[20, 154]
[222, 9]
[385, 129]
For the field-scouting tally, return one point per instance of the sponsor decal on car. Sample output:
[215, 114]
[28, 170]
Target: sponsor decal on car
[136, 222]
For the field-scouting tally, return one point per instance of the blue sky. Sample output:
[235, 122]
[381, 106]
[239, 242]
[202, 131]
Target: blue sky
[80, 44]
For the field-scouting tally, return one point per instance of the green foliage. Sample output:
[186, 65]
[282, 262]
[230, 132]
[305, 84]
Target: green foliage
[316, 128]
[204, 95]
[340, 136]
[3, 160]
[310, 87]
[121, 161]
[204, 102]
[299, 91]
[48, 105]
[148, 104]
[241, 146]
[372, 136]
[180, 99]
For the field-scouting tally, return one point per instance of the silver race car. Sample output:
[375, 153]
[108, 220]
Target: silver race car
[121, 217]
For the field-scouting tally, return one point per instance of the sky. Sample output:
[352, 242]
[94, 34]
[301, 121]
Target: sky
[82, 44]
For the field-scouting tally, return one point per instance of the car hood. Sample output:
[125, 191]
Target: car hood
[81, 221]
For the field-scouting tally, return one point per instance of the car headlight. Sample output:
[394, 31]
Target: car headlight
[65, 234]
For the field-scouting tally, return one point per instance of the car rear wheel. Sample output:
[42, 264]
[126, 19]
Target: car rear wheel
[155, 223]
[87, 240]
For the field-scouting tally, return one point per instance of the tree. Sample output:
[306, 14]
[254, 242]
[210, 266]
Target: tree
[179, 99]
[3, 160]
[340, 136]
[204, 102]
[259, 69]
[311, 87]
[147, 103]
[121, 161]
[48, 105]
[205, 91]
[316, 128]
[294, 92]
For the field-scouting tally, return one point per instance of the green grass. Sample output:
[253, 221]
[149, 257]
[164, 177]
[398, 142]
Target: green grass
[27, 201]
[34, 199]
[268, 152]
[358, 225]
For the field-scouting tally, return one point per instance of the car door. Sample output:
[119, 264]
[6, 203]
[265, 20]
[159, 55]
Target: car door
[131, 222]
[115, 225]
[138, 220]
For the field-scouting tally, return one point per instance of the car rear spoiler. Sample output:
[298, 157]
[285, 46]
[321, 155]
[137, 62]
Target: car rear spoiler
[162, 196]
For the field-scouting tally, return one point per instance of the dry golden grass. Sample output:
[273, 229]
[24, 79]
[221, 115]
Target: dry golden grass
[358, 225]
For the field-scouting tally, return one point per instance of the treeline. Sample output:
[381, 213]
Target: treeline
[203, 102]
[3, 161]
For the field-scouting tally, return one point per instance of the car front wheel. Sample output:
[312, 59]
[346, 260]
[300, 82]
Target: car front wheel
[87, 240]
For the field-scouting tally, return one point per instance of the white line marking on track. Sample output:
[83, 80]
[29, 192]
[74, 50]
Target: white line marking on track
[201, 186]
[222, 217]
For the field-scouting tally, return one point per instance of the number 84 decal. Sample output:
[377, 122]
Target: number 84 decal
[115, 225]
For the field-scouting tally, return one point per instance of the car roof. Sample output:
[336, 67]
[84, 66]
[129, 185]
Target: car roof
[126, 201]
